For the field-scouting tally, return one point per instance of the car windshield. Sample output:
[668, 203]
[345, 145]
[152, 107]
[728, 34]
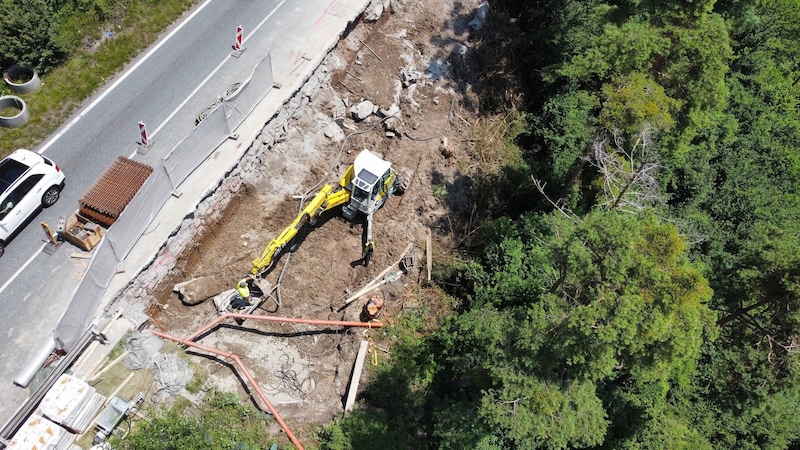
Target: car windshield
[10, 171]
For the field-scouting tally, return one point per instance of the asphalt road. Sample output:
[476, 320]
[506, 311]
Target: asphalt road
[182, 73]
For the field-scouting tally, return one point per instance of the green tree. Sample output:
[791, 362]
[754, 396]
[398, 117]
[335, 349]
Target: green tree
[222, 422]
[567, 315]
[742, 189]
[634, 102]
[29, 35]
[565, 126]
[631, 46]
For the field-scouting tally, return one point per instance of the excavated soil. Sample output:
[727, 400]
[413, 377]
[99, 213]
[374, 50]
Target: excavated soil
[414, 56]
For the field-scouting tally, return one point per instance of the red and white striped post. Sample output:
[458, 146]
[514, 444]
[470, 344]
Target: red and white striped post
[143, 134]
[237, 44]
[239, 34]
[144, 141]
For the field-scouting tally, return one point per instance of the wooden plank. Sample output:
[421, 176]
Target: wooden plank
[356, 378]
[109, 366]
[428, 254]
[376, 282]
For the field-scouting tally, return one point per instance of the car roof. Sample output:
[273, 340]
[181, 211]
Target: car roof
[15, 165]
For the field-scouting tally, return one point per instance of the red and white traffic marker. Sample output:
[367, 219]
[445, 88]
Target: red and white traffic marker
[239, 34]
[144, 142]
[237, 44]
[143, 134]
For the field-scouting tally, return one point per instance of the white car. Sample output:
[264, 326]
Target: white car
[28, 182]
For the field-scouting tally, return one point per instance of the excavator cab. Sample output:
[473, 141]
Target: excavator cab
[373, 181]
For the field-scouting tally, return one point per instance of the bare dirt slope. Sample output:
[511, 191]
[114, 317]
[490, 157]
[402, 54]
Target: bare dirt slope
[414, 56]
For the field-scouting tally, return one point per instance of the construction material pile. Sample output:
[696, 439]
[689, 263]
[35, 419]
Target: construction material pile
[41, 434]
[110, 194]
[72, 403]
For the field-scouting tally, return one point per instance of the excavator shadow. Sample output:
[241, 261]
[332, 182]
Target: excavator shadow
[322, 219]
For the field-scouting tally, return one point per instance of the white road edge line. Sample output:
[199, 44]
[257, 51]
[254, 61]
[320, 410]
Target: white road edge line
[121, 79]
[27, 263]
[202, 83]
[91, 106]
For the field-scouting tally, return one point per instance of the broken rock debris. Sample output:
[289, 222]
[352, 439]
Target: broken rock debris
[361, 111]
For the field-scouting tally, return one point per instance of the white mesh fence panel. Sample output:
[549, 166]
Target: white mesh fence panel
[139, 214]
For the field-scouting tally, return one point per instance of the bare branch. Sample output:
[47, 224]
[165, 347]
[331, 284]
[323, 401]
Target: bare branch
[560, 204]
[628, 171]
[687, 230]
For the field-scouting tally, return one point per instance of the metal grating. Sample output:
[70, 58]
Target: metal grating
[338, 9]
[110, 194]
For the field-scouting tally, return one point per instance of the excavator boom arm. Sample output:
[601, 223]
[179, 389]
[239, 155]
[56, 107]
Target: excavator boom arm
[323, 201]
[328, 198]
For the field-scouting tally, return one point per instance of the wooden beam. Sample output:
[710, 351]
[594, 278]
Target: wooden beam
[356, 378]
[428, 254]
[377, 281]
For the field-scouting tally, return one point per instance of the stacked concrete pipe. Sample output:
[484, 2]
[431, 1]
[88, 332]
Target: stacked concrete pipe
[17, 72]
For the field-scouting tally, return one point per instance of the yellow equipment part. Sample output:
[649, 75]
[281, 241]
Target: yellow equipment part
[325, 199]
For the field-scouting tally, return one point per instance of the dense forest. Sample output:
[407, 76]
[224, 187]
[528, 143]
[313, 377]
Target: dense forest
[640, 290]
[637, 284]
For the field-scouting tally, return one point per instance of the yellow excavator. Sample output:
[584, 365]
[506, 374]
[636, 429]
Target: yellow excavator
[364, 187]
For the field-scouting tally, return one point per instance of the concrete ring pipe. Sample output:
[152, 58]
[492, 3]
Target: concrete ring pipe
[10, 103]
[30, 81]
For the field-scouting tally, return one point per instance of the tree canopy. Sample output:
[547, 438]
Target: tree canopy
[654, 302]
[571, 315]
[29, 35]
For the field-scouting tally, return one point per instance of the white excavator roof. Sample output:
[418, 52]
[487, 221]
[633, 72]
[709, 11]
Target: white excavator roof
[371, 162]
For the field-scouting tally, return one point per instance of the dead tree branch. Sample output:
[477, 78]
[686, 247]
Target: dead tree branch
[628, 171]
[560, 205]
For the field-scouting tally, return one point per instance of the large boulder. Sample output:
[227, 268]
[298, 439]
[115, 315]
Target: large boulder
[197, 290]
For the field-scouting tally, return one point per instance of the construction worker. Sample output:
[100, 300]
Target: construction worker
[243, 288]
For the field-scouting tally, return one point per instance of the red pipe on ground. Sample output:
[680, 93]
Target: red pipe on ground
[245, 372]
[221, 318]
